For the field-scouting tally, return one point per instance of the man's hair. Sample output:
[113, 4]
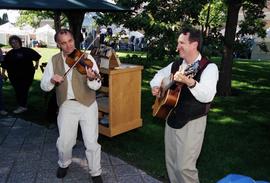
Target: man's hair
[195, 35]
[14, 37]
[60, 32]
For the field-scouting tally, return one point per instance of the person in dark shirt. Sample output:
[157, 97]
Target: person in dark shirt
[18, 63]
[2, 77]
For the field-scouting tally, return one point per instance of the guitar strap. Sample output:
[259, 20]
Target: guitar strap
[203, 63]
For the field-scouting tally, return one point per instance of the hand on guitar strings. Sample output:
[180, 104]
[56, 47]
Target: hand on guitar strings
[188, 80]
[156, 91]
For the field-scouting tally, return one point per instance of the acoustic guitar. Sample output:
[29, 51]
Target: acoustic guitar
[170, 92]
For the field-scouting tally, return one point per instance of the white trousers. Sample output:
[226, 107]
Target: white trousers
[182, 149]
[71, 114]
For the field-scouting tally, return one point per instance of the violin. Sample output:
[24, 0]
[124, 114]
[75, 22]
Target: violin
[76, 60]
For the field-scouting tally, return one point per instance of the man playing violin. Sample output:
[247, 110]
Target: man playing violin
[75, 93]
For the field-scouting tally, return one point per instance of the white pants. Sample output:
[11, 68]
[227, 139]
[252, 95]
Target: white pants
[71, 114]
[182, 149]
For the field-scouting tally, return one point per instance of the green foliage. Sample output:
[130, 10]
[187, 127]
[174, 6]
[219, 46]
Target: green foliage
[160, 20]
[243, 48]
[32, 17]
[217, 14]
[213, 44]
[253, 22]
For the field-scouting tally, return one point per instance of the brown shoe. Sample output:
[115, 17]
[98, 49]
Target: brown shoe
[61, 172]
[97, 179]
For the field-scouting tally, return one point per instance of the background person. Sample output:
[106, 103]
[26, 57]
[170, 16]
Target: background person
[185, 125]
[76, 99]
[18, 62]
[2, 78]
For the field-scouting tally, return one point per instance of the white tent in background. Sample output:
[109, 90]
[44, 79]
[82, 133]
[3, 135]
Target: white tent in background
[28, 28]
[7, 26]
[136, 34]
[8, 29]
[46, 34]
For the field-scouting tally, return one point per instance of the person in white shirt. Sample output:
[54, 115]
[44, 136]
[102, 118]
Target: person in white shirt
[75, 93]
[186, 122]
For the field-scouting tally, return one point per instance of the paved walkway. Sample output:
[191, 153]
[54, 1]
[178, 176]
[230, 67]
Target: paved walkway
[28, 155]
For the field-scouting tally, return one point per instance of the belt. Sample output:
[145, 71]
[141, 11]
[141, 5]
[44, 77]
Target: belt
[73, 99]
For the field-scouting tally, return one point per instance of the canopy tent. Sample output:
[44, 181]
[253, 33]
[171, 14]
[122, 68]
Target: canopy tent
[73, 9]
[136, 34]
[28, 28]
[8, 29]
[61, 5]
[46, 34]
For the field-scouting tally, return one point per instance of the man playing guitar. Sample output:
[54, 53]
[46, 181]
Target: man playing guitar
[186, 121]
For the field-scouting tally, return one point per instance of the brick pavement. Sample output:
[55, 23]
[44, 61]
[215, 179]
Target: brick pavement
[28, 155]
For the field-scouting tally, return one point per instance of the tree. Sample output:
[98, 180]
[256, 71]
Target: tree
[160, 20]
[253, 24]
[4, 19]
[212, 16]
[32, 17]
[75, 19]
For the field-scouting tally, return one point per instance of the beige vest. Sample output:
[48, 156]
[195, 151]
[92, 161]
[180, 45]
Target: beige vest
[82, 92]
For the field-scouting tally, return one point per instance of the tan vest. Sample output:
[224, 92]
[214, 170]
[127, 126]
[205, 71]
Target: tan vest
[82, 92]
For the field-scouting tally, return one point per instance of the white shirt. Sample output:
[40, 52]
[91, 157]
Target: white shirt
[204, 91]
[46, 84]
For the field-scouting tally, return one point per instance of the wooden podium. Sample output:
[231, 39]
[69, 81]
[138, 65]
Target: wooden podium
[119, 100]
[107, 58]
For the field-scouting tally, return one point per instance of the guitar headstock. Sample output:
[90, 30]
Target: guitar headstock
[192, 69]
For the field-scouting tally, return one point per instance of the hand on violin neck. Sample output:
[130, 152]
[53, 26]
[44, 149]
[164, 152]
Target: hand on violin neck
[57, 79]
[91, 74]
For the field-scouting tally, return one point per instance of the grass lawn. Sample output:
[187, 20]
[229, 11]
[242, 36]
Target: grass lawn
[237, 137]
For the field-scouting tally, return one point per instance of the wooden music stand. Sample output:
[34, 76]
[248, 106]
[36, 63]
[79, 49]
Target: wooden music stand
[109, 60]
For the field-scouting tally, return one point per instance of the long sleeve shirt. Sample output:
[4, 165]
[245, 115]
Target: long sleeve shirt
[46, 84]
[204, 91]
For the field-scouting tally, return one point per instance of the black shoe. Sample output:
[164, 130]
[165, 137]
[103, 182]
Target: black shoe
[61, 172]
[97, 179]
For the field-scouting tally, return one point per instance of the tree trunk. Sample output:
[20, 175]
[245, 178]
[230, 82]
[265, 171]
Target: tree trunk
[225, 75]
[75, 19]
[57, 20]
